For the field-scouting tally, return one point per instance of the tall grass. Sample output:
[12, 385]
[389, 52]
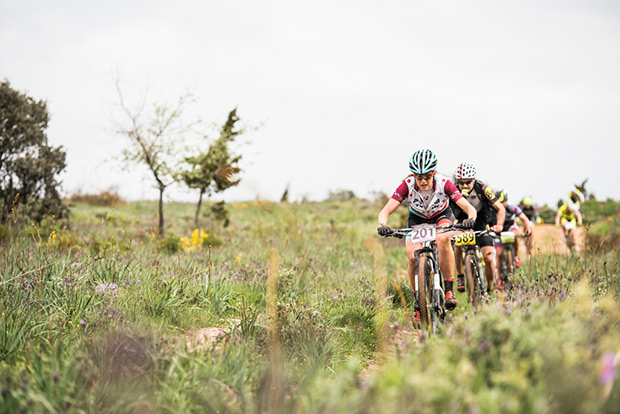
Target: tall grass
[299, 309]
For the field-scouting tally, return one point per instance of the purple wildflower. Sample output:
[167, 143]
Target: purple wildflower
[607, 372]
[107, 289]
[484, 346]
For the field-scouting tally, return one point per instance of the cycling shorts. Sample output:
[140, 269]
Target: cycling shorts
[483, 241]
[568, 223]
[441, 219]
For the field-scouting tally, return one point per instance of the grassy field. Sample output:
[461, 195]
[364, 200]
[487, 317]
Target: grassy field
[292, 308]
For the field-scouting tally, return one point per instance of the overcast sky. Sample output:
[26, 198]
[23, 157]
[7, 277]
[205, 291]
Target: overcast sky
[345, 91]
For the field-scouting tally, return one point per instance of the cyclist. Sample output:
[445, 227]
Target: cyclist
[429, 196]
[484, 201]
[576, 197]
[568, 216]
[531, 212]
[512, 212]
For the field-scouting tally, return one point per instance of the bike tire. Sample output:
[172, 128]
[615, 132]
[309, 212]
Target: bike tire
[571, 241]
[429, 274]
[473, 278]
[423, 295]
[509, 267]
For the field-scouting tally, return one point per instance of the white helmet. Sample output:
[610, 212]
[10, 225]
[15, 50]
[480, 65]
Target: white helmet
[465, 171]
[423, 161]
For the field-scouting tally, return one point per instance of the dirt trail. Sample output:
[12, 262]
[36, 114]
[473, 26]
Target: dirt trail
[548, 238]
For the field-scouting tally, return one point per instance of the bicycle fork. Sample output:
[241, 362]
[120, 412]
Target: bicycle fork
[438, 294]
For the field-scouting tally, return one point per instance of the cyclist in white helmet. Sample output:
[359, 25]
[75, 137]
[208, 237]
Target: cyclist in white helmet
[483, 200]
[429, 197]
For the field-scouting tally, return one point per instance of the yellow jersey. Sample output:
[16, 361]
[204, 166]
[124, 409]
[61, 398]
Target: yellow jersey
[567, 214]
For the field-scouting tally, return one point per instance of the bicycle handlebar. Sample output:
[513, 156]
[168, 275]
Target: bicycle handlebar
[400, 233]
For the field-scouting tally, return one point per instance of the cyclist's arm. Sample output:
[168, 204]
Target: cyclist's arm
[389, 208]
[527, 224]
[579, 217]
[501, 216]
[557, 217]
[467, 208]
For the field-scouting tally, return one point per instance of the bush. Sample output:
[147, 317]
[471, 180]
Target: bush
[171, 244]
[106, 198]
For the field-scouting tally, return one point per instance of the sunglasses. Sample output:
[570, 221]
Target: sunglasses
[464, 182]
[424, 177]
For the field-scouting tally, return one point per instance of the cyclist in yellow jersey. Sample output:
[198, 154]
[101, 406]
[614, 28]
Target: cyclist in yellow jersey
[568, 216]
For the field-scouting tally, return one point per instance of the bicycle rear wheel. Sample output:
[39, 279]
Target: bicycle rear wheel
[508, 268]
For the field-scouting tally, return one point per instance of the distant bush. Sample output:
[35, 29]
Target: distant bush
[106, 198]
[53, 233]
[171, 244]
[341, 195]
[594, 210]
[547, 214]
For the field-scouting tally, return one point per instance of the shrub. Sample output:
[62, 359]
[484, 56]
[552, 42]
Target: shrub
[106, 198]
[171, 244]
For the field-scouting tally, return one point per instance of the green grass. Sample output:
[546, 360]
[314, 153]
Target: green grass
[97, 315]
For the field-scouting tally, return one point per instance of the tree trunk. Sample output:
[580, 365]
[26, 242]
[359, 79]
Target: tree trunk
[161, 210]
[198, 209]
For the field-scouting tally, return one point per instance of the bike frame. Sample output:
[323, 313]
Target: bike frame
[476, 278]
[506, 254]
[433, 297]
[433, 289]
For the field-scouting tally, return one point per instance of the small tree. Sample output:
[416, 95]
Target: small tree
[154, 141]
[29, 166]
[215, 170]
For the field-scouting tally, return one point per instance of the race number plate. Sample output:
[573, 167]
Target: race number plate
[507, 237]
[423, 234]
[465, 239]
[569, 225]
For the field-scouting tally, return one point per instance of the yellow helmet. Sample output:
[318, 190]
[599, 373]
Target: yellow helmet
[501, 196]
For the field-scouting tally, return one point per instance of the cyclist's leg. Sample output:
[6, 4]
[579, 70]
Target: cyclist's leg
[446, 255]
[563, 223]
[529, 242]
[499, 262]
[458, 264]
[411, 248]
[490, 270]
[458, 259]
[446, 258]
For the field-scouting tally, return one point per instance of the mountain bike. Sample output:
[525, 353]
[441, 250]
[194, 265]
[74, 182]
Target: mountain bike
[429, 289]
[475, 280]
[571, 240]
[506, 254]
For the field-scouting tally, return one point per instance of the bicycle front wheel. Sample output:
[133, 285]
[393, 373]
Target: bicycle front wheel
[473, 278]
[508, 268]
[425, 276]
[433, 303]
[424, 298]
